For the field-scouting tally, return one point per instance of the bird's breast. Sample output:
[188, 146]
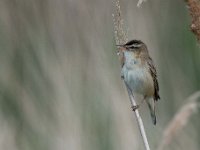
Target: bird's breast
[138, 78]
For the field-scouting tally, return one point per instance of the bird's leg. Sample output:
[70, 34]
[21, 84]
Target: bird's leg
[134, 107]
[137, 106]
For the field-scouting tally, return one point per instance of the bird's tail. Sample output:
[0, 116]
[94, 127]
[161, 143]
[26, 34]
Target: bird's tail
[152, 111]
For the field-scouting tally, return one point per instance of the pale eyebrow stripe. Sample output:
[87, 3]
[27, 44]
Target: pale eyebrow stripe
[134, 46]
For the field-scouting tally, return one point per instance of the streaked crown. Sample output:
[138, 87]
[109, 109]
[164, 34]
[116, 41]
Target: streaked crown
[134, 44]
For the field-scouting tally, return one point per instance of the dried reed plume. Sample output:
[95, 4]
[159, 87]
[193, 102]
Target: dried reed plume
[140, 2]
[180, 120]
[120, 35]
[194, 9]
[121, 38]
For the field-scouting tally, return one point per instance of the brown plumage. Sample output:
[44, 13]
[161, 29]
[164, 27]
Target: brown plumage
[142, 52]
[140, 72]
[153, 73]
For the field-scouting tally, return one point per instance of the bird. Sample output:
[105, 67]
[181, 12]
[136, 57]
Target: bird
[139, 74]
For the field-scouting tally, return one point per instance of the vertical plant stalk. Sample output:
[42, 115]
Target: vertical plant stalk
[139, 119]
[121, 38]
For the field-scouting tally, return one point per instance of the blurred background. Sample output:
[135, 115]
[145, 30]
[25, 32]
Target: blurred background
[60, 86]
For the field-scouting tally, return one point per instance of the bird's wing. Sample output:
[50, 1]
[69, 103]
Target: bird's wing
[153, 73]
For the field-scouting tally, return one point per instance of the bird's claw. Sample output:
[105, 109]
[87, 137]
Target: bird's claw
[135, 107]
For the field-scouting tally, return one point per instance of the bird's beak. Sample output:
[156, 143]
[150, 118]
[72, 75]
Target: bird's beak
[120, 45]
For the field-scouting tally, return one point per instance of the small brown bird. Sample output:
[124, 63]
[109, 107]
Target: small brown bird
[139, 73]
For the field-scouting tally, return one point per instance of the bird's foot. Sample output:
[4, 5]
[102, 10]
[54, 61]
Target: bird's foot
[135, 107]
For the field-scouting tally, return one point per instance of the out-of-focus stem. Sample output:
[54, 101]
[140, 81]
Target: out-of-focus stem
[180, 120]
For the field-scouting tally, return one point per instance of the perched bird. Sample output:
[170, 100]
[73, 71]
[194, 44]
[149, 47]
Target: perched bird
[139, 73]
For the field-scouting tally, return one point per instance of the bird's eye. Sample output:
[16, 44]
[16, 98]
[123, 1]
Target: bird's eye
[135, 46]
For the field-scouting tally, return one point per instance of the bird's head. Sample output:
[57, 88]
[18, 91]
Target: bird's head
[135, 46]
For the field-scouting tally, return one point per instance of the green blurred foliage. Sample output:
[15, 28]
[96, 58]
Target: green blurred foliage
[60, 85]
